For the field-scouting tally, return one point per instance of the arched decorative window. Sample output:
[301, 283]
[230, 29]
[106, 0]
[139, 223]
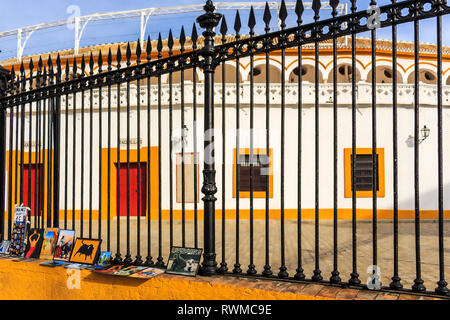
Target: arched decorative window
[188, 76]
[385, 75]
[230, 74]
[425, 76]
[308, 74]
[259, 74]
[344, 74]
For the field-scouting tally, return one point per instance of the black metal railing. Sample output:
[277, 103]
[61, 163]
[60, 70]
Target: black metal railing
[87, 143]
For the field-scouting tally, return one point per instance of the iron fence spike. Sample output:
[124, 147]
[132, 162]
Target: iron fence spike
[267, 15]
[237, 22]
[223, 26]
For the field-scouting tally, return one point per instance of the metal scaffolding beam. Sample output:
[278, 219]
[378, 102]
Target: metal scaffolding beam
[81, 22]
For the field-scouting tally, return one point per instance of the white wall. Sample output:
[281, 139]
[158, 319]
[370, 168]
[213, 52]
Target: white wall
[428, 149]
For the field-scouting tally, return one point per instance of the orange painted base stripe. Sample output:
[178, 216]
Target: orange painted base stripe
[274, 214]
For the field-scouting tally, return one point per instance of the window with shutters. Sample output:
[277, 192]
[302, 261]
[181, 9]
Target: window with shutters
[262, 173]
[364, 172]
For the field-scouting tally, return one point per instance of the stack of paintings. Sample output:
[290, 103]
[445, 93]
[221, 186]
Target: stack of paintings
[182, 261]
[147, 273]
[138, 272]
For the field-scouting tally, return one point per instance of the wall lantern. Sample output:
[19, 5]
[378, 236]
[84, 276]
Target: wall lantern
[425, 131]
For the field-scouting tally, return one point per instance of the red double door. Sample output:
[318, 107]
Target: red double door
[32, 186]
[122, 192]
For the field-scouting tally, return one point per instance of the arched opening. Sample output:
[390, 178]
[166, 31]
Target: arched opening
[384, 75]
[308, 74]
[425, 76]
[344, 74]
[230, 74]
[188, 76]
[153, 80]
[259, 74]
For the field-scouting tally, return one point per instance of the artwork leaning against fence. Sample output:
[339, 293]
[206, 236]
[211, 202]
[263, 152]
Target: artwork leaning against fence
[277, 145]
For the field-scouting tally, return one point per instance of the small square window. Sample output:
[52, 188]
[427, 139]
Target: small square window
[262, 173]
[364, 172]
[363, 168]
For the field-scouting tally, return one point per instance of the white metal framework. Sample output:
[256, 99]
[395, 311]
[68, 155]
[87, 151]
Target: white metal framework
[80, 22]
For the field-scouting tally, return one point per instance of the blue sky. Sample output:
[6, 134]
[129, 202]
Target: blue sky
[29, 12]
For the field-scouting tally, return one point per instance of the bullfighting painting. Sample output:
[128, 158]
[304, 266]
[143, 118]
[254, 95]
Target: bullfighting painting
[49, 244]
[86, 251]
[64, 245]
[184, 261]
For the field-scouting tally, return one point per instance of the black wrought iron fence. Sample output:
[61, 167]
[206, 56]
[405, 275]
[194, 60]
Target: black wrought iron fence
[91, 144]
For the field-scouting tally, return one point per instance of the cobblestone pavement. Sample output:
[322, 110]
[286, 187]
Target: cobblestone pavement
[407, 266]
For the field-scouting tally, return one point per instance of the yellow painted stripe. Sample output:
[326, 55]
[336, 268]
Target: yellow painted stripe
[274, 214]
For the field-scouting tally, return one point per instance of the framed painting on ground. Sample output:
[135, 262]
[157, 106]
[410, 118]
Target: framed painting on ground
[86, 251]
[53, 263]
[110, 270]
[104, 259]
[49, 244]
[184, 261]
[4, 247]
[147, 273]
[64, 245]
[34, 243]
[127, 271]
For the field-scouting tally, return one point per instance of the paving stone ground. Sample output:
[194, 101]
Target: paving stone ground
[385, 253]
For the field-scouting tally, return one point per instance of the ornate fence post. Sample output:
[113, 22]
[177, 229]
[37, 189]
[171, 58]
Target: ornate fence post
[209, 21]
[5, 75]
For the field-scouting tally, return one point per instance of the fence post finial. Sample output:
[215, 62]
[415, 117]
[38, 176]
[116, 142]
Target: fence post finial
[209, 21]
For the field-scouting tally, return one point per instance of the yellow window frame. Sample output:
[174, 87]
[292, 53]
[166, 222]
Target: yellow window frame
[348, 173]
[256, 151]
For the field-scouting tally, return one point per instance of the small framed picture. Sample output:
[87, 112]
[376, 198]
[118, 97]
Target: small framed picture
[127, 271]
[184, 261]
[4, 247]
[86, 251]
[64, 245]
[49, 243]
[110, 270]
[147, 273]
[53, 263]
[104, 259]
[78, 266]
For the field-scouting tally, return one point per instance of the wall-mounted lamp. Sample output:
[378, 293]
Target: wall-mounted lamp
[425, 131]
